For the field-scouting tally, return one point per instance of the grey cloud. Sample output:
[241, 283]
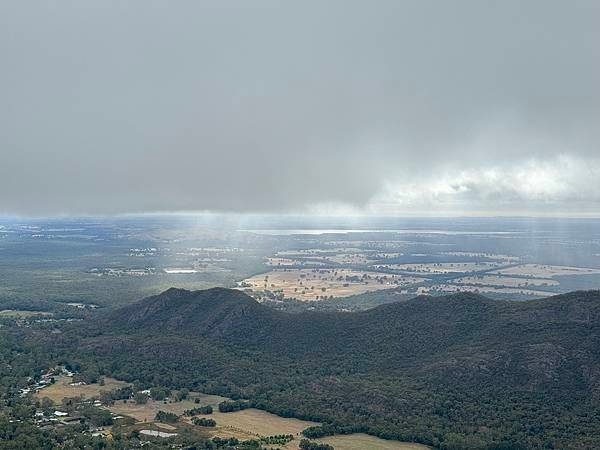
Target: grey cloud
[114, 107]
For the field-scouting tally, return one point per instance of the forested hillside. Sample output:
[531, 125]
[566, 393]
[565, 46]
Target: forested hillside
[455, 372]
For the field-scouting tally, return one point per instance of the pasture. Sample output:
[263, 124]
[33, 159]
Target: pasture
[510, 282]
[254, 423]
[441, 268]
[62, 388]
[322, 284]
[546, 271]
[147, 412]
[360, 441]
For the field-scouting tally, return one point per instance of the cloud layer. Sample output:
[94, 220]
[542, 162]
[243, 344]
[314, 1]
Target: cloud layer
[388, 107]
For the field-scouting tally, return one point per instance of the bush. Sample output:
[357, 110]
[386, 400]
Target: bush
[203, 422]
[167, 417]
[305, 444]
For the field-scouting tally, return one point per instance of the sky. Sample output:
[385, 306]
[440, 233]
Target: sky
[328, 107]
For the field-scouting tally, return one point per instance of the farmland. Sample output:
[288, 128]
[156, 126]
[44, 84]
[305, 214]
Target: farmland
[441, 268]
[365, 442]
[315, 284]
[253, 423]
[146, 412]
[249, 424]
[545, 271]
[494, 280]
[64, 387]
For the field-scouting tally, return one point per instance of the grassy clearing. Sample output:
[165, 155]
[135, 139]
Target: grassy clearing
[253, 423]
[366, 442]
[147, 412]
[62, 389]
[243, 425]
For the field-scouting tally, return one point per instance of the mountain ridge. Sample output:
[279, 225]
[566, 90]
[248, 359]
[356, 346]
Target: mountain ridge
[498, 374]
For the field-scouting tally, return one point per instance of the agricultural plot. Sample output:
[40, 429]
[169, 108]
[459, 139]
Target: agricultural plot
[254, 423]
[243, 425]
[288, 262]
[441, 268]
[511, 282]
[545, 271]
[360, 441]
[349, 258]
[339, 255]
[147, 412]
[342, 258]
[322, 284]
[275, 262]
[65, 388]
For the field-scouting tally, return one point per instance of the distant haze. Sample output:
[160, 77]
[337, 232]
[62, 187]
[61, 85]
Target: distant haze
[385, 107]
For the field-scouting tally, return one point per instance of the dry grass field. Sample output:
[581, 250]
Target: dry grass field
[441, 267]
[63, 389]
[243, 425]
[261, 422]
[321, 284]
[495, 280]
[147, 412]
[253, 423]
[545, 271]
[366, 442]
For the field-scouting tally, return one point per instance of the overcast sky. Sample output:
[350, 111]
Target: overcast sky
[376, 107]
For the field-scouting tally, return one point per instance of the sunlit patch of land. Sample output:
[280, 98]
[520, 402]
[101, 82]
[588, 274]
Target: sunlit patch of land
[510, 282]
[243, 425]
[65, 387]
[253, 423]
[542, 270]
[360, 441]
[147, 412]
[322, 284]
[441, 268]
